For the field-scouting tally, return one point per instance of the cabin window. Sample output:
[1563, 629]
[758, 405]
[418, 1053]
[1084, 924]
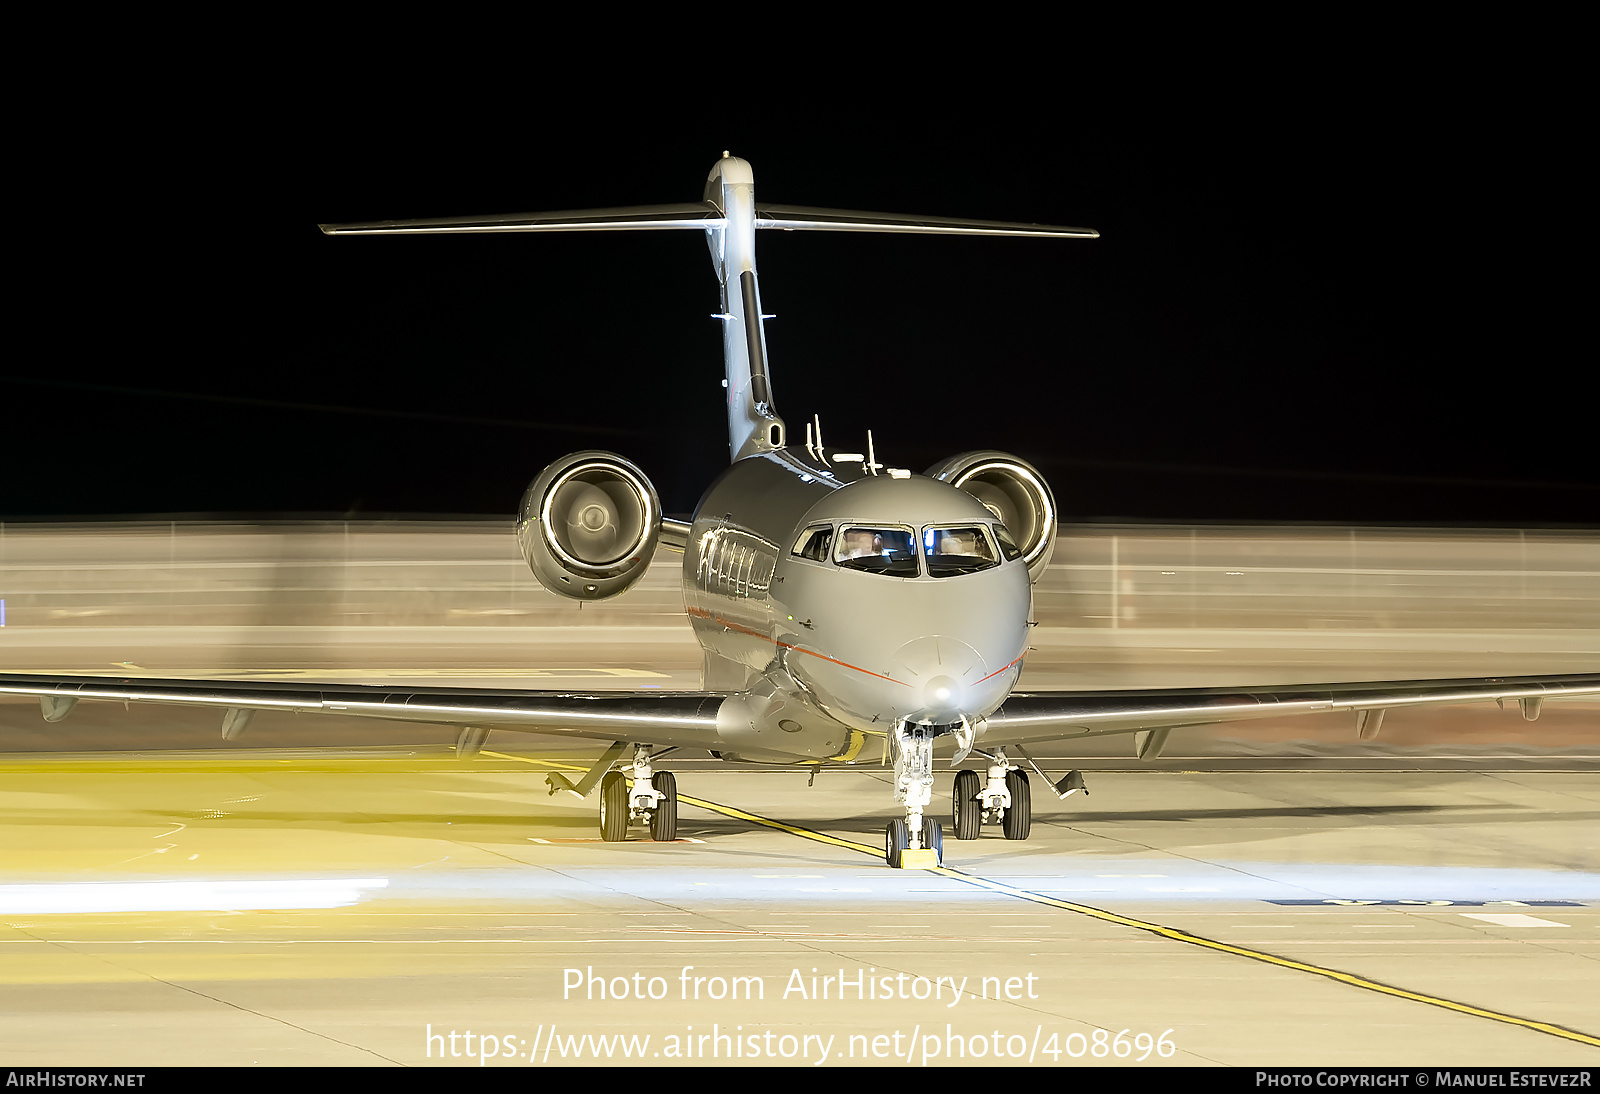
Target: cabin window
[958, 549]
[890, 551]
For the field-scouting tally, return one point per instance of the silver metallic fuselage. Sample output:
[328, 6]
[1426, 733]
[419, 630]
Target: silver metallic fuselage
[823, 658]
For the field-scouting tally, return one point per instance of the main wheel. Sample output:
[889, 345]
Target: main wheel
[1019, 818]
[933, 838]
[895, 839]
[613, 807]
[664, 821]
[966, 809]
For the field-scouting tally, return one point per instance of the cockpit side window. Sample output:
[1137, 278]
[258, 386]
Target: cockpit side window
[889, 551]
[815, 543]
[1008, 546]
[959, 549]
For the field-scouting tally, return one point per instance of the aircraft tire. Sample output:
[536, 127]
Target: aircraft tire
[664, 821]
[613, 807]
[1019, 818]
[895, 839]
[933, 838]
[966, 810]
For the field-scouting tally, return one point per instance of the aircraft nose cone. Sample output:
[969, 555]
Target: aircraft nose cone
[942, 693]
[942, 669]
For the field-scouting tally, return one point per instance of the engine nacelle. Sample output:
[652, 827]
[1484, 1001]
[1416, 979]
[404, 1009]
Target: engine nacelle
[1014, 492]
[589, 525]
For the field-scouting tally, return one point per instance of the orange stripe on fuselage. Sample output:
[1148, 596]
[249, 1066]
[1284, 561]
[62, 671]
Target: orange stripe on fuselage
[998, 671]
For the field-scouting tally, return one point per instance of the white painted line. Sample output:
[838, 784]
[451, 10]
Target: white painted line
[1513, 919]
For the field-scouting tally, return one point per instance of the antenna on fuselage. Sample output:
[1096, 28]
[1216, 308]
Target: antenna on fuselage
[817, 418]
[872, 460]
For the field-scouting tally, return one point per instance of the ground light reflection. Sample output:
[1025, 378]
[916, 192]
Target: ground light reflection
[185, 896]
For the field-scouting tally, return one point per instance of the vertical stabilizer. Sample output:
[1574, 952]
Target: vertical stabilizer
[753, 424]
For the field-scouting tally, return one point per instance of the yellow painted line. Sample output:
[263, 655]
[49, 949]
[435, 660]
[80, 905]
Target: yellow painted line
[767, 822]
[1166, 932]
[536, 762]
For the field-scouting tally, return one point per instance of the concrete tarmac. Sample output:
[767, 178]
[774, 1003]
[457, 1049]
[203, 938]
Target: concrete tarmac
[348, 893]
[273, 907]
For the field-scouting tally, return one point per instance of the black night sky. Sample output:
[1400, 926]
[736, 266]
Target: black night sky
[1307, 304]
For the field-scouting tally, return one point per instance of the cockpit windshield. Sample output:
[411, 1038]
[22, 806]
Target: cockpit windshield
[1008, 546]
[951, 550]
[815, 543]
[889, 551]
[962, 549]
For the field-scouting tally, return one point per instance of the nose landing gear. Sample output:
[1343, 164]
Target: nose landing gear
[917, 841]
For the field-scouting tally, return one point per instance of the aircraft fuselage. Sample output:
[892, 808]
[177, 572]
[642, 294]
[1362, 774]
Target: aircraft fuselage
[826, 653]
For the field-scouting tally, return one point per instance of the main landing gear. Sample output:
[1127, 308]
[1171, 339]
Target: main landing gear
[1005, 799]
[652, 799]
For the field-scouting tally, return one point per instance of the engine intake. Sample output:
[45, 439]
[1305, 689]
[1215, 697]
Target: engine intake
[1013, 491]
[589, 525]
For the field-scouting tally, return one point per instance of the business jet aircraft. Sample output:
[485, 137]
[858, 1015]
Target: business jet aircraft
[848, 612]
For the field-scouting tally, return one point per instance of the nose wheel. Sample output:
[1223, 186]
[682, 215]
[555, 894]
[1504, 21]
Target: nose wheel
[933, 839]
[897, 841]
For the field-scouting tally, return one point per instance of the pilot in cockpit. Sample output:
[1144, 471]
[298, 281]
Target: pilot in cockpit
[859, 543]
[955, 543]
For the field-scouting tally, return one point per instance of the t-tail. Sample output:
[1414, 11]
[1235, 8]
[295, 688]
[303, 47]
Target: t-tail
[729, 215]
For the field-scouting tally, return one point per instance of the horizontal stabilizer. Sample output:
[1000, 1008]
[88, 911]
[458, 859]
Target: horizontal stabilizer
[790, 217]
[704, 216]
[700, 214]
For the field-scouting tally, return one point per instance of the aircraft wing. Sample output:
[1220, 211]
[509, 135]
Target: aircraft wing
[687, 719]
[1048, 716]
[674, 534]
